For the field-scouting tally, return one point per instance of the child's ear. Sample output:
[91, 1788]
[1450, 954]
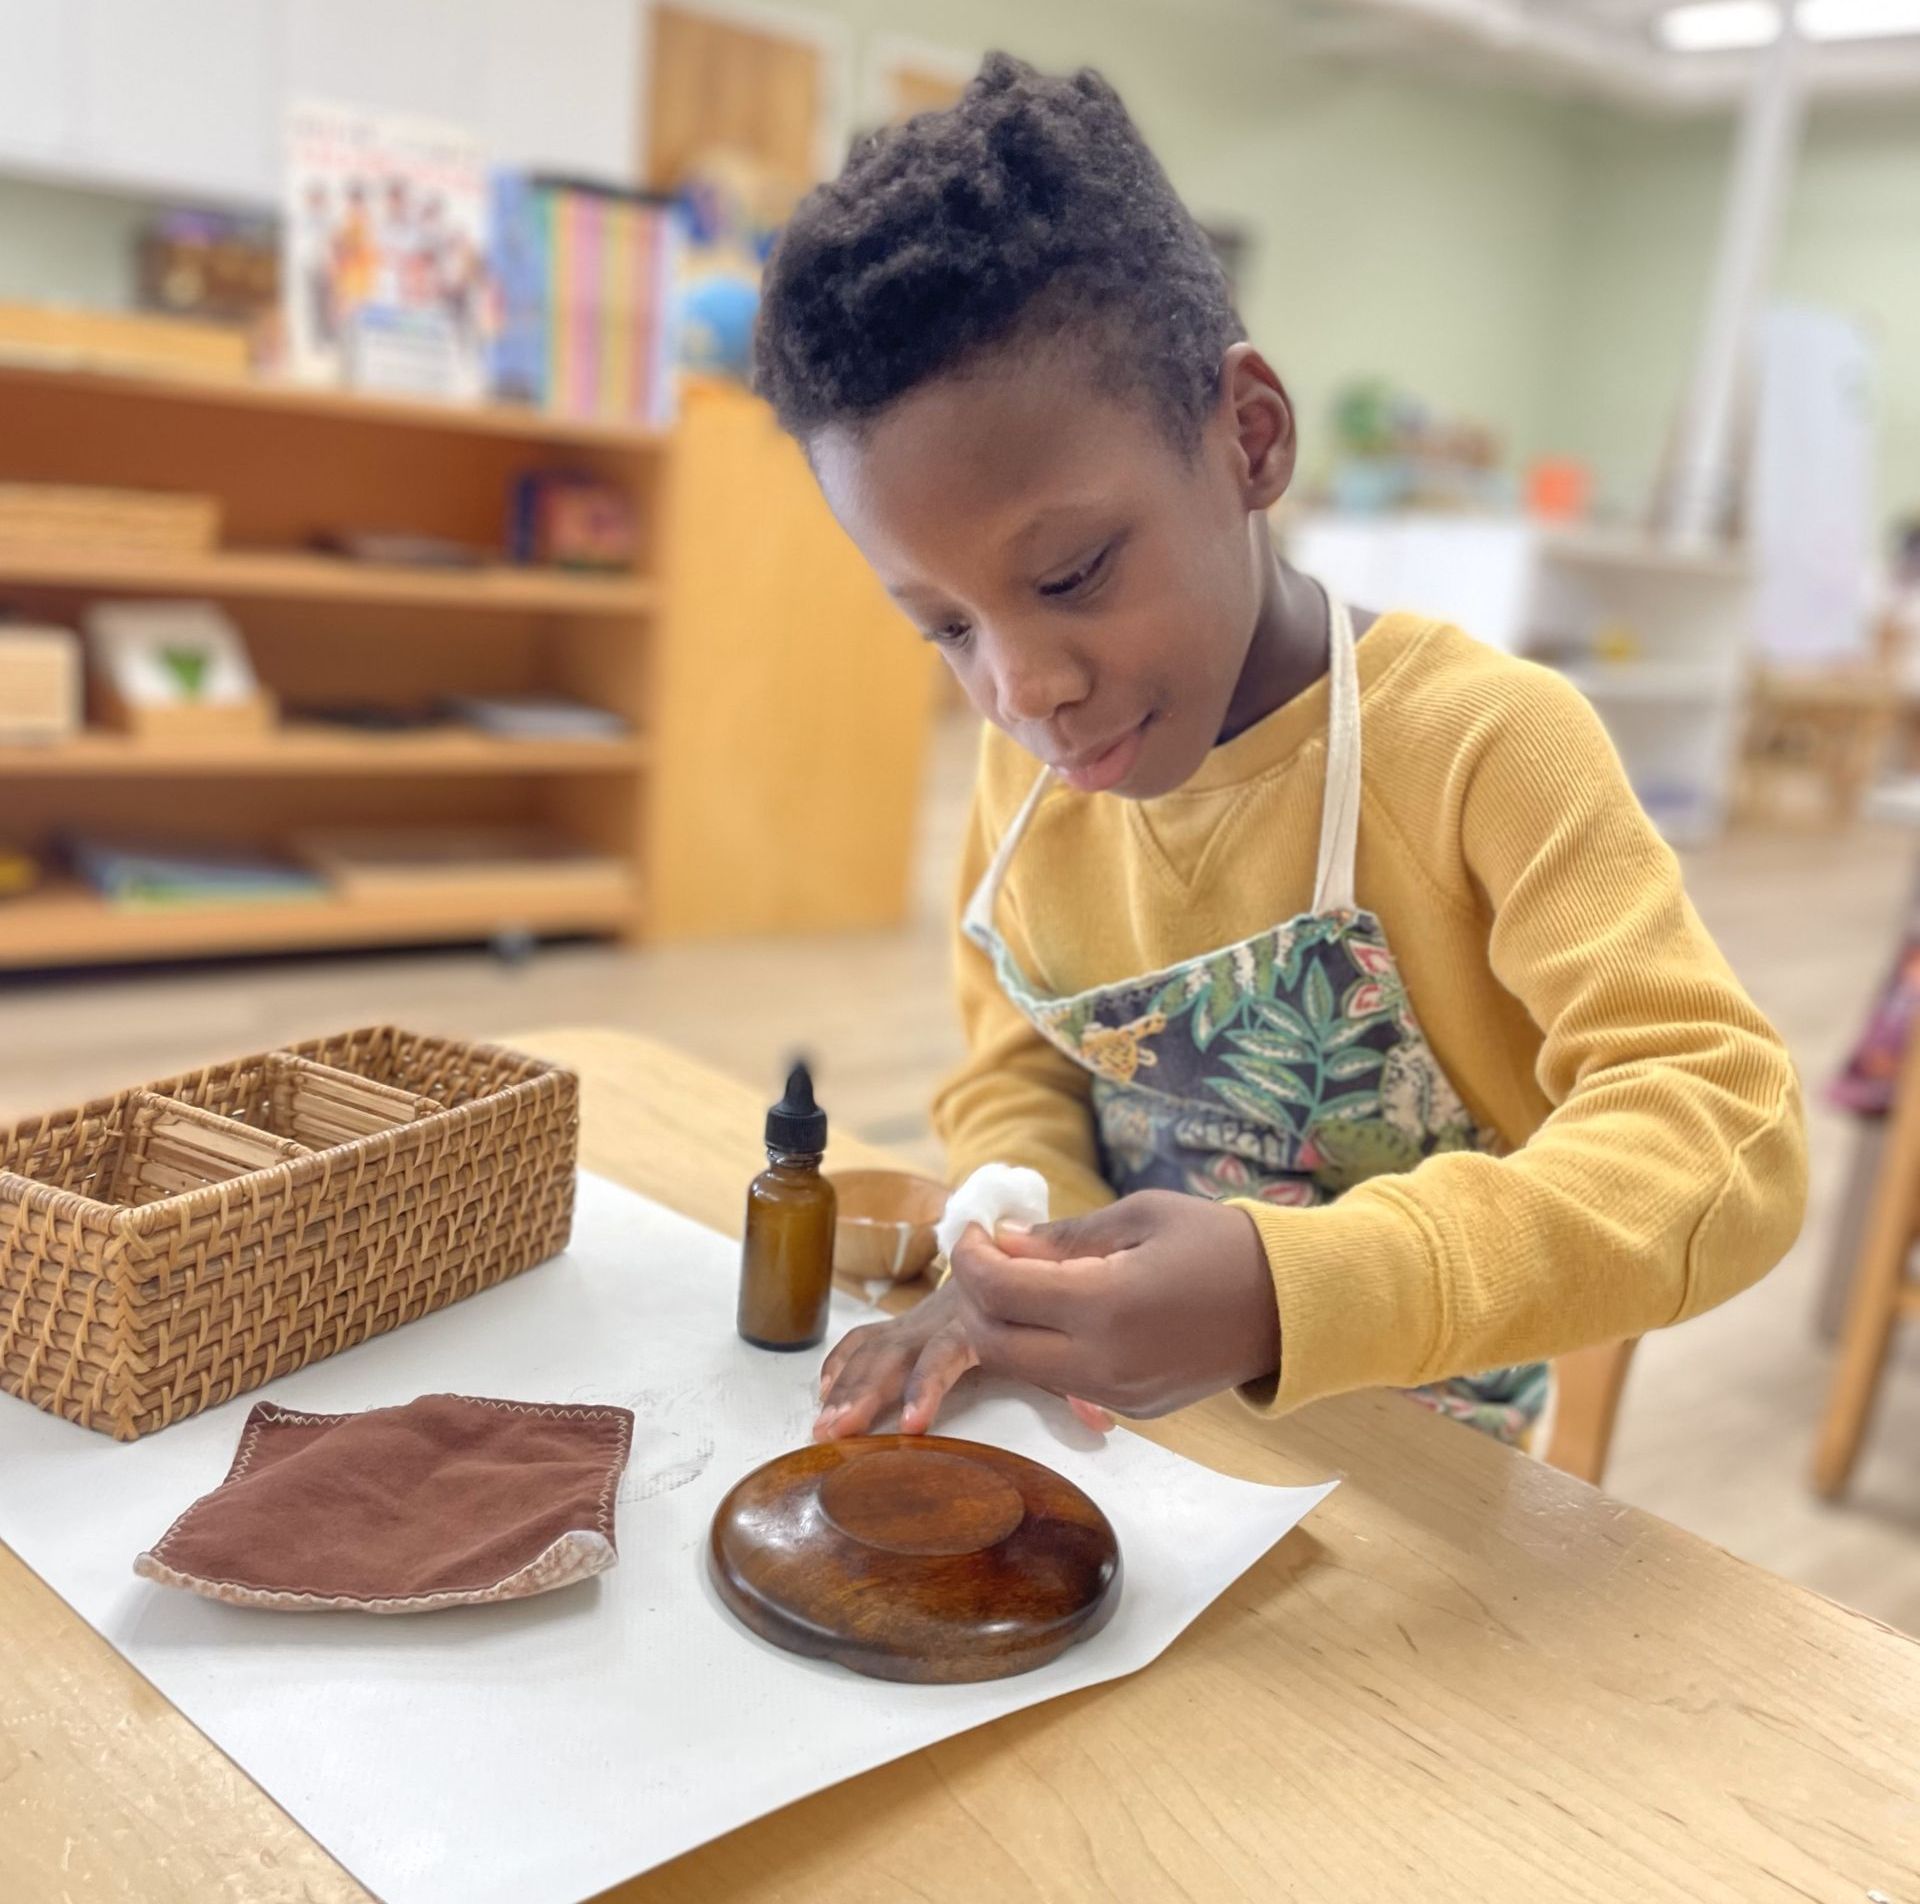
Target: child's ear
[1261, 417]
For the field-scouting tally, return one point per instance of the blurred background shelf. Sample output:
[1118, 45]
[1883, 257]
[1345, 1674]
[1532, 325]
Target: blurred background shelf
[785, 708]
[1653, 632]
[244, 574]
[70, 925]
[131, 388]
[1599, 547]
[1646, 681]
[301, 749]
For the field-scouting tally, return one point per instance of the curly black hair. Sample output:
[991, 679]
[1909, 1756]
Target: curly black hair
[1031, 208]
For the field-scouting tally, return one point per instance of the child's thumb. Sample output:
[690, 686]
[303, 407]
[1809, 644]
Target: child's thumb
[1099, 1233]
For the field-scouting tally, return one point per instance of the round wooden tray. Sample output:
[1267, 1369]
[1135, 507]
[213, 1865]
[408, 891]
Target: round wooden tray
[915, 1557]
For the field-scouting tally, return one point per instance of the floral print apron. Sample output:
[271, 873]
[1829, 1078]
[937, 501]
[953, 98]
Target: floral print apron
[1286, 1068]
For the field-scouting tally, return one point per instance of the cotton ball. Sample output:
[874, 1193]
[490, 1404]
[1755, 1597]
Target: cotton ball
[994, 1194]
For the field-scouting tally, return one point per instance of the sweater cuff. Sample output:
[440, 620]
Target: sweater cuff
[1355, 1285]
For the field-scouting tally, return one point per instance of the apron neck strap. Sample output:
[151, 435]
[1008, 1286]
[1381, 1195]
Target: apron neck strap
[1340, 802]
[979, 915]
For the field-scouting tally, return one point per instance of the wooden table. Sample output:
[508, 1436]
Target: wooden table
[1465, 1677]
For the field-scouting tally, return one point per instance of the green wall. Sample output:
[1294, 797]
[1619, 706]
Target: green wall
[1646, 203]
[66, 246]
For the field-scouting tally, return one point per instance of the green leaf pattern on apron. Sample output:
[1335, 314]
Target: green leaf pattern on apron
[1293, 1057]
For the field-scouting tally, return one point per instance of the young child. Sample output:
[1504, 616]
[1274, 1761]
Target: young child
[1322, 962]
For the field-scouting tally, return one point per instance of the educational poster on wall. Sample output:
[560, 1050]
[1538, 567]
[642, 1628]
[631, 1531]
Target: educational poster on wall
[385, 239]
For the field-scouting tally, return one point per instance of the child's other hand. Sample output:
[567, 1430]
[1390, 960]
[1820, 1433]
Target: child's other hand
[914, 1360]
[1152, 1303]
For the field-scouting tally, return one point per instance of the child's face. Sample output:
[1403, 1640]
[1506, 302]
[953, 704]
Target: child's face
[1094, 589]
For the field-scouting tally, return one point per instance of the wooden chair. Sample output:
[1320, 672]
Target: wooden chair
[1883, 1289]
[1829, 729]
[1586, 1402]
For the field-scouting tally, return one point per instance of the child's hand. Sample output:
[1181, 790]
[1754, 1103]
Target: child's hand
[913, 1360]
[1152, 1303]
[1147, 1305]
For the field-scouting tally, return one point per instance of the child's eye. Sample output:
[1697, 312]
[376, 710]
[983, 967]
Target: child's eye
[1082, 577]
[952, 634]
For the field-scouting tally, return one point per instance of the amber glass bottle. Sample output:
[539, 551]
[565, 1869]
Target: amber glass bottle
[786, 1256]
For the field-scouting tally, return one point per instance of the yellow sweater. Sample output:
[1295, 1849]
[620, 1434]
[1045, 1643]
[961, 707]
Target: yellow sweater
[1570, 992]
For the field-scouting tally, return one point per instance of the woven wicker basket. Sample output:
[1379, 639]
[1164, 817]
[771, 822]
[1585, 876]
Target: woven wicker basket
[177, 1244]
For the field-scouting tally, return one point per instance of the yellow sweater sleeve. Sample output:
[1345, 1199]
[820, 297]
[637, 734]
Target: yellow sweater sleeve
[1015, 1099]
[1672, 1170]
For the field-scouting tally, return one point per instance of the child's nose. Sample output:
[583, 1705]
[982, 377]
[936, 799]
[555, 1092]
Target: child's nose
[1035, 686]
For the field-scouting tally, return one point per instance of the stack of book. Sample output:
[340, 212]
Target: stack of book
[584, 278]
[137, 875]
[536, 717]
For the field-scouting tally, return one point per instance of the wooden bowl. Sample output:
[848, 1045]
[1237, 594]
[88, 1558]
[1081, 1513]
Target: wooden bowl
[885, 1224]
[915, 1557]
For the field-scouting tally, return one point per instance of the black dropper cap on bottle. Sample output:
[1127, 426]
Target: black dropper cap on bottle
[797, 1124]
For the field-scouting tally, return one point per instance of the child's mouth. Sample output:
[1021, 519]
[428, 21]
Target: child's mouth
[1100, 772]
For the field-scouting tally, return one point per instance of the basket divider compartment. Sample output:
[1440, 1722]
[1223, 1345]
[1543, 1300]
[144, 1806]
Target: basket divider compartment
[171, 1149]
[317, 1105]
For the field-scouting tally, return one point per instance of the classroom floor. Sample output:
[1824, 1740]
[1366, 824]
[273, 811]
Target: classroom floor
[1718, 1423]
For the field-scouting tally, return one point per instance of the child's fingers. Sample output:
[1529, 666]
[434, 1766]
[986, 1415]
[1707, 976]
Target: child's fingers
[942, 1363]
[858, 1412]
[1045, 1357]
[843, 1351]
[868, 1383]
[1091, 1416]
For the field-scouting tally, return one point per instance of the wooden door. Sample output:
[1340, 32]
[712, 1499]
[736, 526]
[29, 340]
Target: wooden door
[716, 84]
[909, 86]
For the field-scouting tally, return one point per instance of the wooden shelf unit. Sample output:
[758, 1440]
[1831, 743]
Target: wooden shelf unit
[777, 706]
[29, 369]
[288, 465]
[70, 925]
[271, 575]
[315, 748]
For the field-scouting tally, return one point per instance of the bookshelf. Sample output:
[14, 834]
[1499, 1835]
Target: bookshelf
[243, 575]
[312, 748]
[26, 370]
[777, 709]
[67, 925]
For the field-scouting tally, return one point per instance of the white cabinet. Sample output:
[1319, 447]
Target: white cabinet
[1656, 638]
[36, 70]
[560, 84]
[186, 98]
[182, 95]
[1474, 570]
[412, 56]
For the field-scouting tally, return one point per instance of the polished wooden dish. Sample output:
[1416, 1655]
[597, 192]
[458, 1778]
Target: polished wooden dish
[884, 1224]
[915, 1557]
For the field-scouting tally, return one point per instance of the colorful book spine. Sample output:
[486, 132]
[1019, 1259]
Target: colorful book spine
[646, 311]
[560, 339]
[589, 310]
[663, 367]
[584, 284]
[519, 254]
[620, 282]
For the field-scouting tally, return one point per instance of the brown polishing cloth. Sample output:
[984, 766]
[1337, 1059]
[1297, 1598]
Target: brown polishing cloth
[448, 1500]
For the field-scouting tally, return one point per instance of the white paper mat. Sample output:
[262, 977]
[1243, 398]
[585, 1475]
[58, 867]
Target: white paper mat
[541, 1751]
